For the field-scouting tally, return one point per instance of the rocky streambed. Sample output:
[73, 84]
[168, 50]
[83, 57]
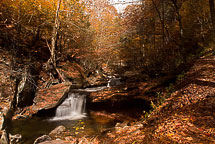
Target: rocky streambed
[105, 107]
[30, 100]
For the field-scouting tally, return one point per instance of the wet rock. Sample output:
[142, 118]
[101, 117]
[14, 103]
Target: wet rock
[41, 139]
[136, 132]
[4, 137]
[71, 139]
[138, 124]
[2, 121]
[48, 98]
[58, 130]
[26, 88]
[56, 142]
[113, 81]
[125, 123]
[15, 138]
[83, 141]
[7, 85]
[19, 117]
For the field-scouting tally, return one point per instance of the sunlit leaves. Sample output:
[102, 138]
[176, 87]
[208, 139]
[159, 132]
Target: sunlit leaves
[31, 23]
[80, 126]
[195, 18]
[105, 25]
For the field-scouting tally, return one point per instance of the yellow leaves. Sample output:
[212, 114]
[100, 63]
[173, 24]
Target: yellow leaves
[137, 38]
[82, 122]
[185, 119]
[82, 127]
[189, 138]
[192, 119]
[170, 134]
[79, 127]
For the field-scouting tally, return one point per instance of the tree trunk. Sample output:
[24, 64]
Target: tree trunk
[181, 30]
[163, 24]
[175, 3]
[54, 35]
[52, 60]
[212, 12]
[161, 16]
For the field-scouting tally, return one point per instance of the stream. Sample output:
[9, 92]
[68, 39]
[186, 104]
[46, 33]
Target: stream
[78, 118]
[32, 128]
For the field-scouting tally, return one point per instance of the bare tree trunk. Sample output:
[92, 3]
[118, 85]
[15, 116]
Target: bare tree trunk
[212, 12]
[52, 59]
[161, 16]
[179, 18]
[54, 35]
[163, 24]
[181, 29]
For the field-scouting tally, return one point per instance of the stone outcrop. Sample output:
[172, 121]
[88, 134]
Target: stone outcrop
[41, 139]
[48, 98]
[57, 130]
[4, 137]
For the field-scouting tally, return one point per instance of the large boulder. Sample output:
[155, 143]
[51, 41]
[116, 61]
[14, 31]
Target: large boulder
[58, 130]
[113, 81]
[48, 98]
[7, 83]
[4, 137]
[42, 139]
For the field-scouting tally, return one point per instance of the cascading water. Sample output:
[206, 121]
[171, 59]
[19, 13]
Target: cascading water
[72, 108]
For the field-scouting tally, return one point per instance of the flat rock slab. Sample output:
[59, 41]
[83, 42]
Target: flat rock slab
[48, 98]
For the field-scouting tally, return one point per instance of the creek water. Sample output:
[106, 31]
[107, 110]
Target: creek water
[32, 128]
[72, 113]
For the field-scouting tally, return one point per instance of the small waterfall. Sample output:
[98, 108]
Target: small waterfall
[72, 108]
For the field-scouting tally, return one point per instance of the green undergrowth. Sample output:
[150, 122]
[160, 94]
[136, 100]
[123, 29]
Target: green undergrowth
[162, 96]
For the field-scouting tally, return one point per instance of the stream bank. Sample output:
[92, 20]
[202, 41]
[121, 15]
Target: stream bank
[101, 116]
[118, 106]
[105, 108]
[185, 116]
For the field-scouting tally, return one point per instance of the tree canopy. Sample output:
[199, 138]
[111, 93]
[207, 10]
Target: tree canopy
[158, 34]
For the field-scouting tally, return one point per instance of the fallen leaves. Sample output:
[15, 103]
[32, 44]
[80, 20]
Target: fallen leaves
[170, 134]
[190, 118]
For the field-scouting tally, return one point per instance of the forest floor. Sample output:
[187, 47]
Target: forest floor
[186, 116]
